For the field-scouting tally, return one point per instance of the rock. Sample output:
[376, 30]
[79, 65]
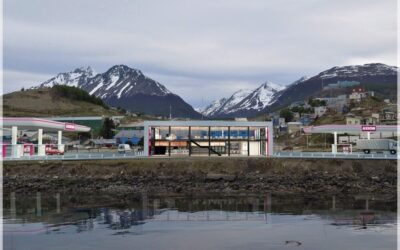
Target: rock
[216, 177]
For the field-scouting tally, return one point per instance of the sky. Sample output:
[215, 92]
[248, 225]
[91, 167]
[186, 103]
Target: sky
[200, 50]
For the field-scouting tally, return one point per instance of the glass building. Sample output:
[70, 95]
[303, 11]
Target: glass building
[208, 138]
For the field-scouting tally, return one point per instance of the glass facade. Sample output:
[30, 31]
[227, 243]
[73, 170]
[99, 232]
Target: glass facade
[208, 140]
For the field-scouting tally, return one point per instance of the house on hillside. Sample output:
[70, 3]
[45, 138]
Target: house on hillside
[320, 111]
[335, 104]
[388, 116]
[293, 127]
[372, 120]
[358, 94]
[352, 119]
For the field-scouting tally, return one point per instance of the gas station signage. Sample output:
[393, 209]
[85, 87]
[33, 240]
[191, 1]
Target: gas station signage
[368, 128]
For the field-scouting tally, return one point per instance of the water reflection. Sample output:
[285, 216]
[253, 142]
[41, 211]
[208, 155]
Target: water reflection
[363, 211]
[45, 220]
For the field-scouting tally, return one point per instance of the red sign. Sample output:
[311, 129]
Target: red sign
[69, 126]
[368, 128]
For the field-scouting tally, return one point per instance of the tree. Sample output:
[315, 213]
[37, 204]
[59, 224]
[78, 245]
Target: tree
[107, 128]
[287, 114]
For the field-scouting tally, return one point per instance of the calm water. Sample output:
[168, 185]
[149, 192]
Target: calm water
[144, 221]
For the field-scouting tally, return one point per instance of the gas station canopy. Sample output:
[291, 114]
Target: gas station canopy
[30, 123]
[350, 128]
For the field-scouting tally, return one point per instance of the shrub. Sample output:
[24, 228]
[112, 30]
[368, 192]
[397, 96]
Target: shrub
[78, 94]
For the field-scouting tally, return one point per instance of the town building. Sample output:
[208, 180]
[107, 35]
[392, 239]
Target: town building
[294, 127]
[358, 94]
[335, 104]
[352, 119]
[320, 111]
[208, 138]
[132, 137]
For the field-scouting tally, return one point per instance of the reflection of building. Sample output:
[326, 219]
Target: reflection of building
[208, 138]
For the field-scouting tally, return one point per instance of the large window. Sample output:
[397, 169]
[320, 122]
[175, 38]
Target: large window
[213, 140]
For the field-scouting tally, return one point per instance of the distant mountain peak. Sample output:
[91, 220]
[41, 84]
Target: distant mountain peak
[87, 70]
[243, 101]
[124, 86]
[369, 69]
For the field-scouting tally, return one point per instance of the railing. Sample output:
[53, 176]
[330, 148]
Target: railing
[70, 156]
[330, 155]
[81, 156]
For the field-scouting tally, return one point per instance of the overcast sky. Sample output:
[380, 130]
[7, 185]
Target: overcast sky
[200, 50]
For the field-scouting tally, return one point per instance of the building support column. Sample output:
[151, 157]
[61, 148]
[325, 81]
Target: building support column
[15, 152]
[334, 145]
[369, 135]
[190, 140]
[248, 141]
[60, 146]
[146, 145]
[41, 147]
[209, 141]
[229, 141]
[169, 141]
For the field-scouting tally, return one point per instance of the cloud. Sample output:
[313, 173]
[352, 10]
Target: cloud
[222, 45]
[19, 79]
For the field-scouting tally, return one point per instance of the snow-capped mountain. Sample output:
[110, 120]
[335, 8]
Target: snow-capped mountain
[122, 86]
[378, 77]
[244, 102]
[372, 69]
[74, 78]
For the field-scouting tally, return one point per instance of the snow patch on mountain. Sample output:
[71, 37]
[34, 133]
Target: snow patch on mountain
[372, 69]
[73, 78]
[244, 99]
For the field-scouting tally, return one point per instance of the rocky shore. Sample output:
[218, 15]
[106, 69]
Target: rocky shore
[204, 175]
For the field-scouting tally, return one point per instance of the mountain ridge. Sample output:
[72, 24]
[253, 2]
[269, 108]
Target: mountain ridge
[369, 75]
[129, 88]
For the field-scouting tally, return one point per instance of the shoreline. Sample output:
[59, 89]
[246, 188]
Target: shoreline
[227, 176]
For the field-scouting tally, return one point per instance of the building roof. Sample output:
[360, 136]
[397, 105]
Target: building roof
[131, 125]
[128, 133]
[37, 123]
[350, 128]
[206, 123]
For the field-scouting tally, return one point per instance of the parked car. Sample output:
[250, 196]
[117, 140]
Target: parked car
[53, 151]
[124, 148]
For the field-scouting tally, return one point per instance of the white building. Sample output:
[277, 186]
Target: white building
[320, 111]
